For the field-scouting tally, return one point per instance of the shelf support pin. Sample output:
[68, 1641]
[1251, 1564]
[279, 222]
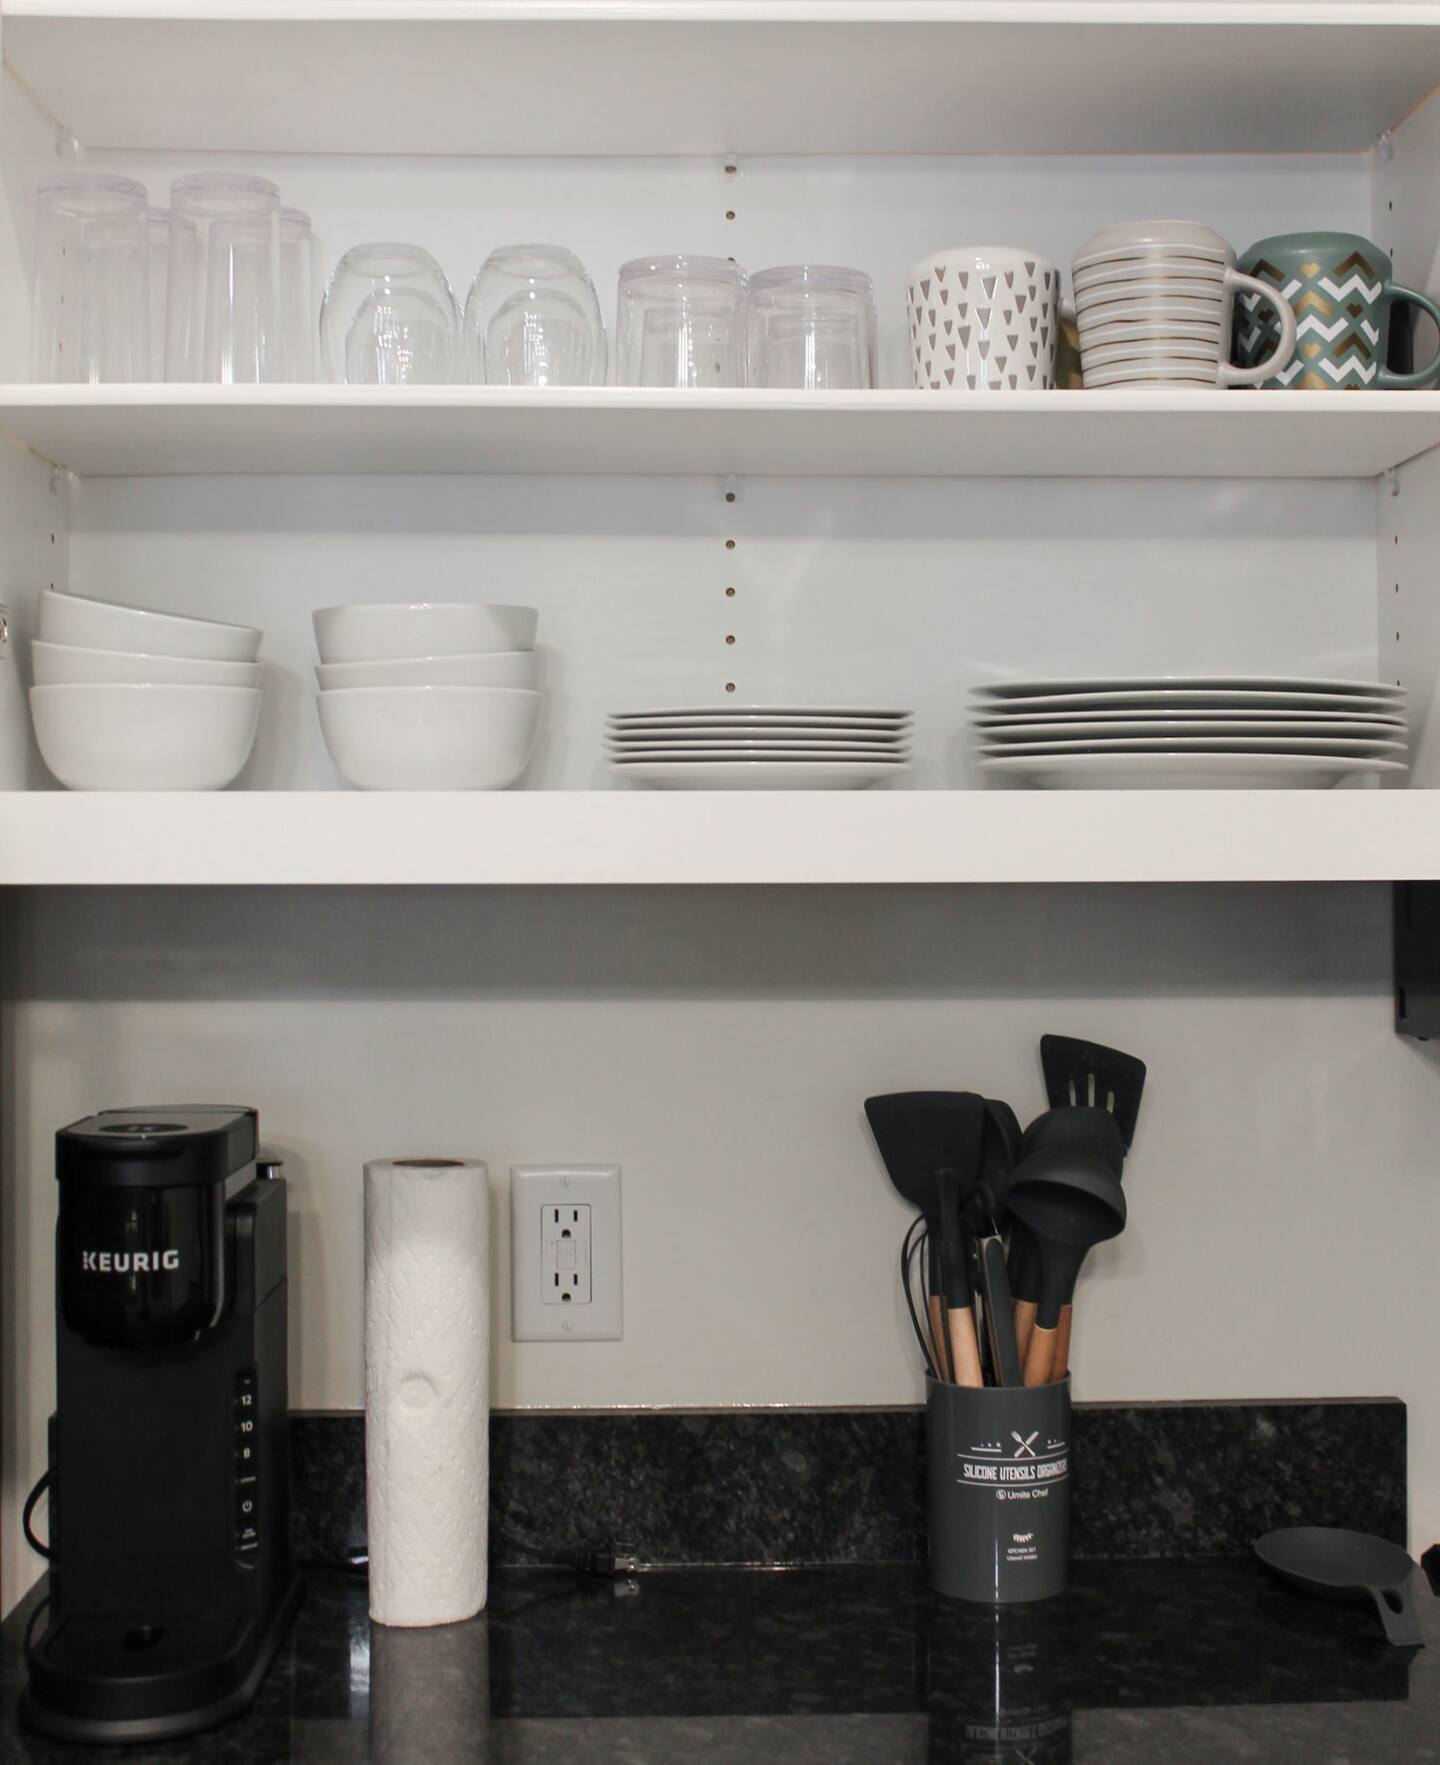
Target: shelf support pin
[1385, 147]
[1392, 478]
[728, 488]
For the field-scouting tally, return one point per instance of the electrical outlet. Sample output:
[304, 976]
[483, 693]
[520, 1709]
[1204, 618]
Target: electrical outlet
[565, 1253]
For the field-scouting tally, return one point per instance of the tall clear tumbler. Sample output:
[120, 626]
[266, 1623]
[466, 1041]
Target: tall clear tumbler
[299, 311]
[681, 322]
[222, 308]
[533, 319]
[812, 326]
[91, 314]
[188, 245]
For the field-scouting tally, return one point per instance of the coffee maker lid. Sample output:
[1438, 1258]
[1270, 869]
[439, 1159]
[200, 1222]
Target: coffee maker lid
[159, 1146]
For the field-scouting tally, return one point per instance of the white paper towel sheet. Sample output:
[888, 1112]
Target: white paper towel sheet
[427, 1397]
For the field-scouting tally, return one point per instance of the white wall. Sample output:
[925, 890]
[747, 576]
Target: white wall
[719, 1044]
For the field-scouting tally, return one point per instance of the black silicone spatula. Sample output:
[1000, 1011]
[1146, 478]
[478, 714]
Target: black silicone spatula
[1069, 1201]
[930, 1142]
[998, 1152]
[1087, 1075]
[1355, 1568]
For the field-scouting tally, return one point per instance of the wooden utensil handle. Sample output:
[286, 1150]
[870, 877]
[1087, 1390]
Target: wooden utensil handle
[1024, 1324]
[1060, 1366]
[936, 1307]
[965, 1348]
[1039, 1356]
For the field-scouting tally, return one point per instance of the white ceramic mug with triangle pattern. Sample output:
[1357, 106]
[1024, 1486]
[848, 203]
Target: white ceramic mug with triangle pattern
[984, 318]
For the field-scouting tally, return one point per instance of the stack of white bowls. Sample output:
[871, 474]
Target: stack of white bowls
[129, 699]
[428, 697]
[1154, 304]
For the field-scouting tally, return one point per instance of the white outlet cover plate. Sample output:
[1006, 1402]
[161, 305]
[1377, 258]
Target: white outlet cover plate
[533, 1187]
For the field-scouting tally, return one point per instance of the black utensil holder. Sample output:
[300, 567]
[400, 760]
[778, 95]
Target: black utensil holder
[998, 1490]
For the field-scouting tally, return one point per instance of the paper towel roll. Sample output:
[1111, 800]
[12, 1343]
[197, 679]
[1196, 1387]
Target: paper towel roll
[427, 1397]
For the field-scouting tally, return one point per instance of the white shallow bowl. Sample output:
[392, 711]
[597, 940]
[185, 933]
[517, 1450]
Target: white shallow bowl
[107, 625]
[421, 629]
[55, 664]
[430, 738]
[500, 668]
[145, 738]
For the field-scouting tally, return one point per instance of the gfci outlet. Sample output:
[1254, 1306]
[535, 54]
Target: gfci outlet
[565, 1253]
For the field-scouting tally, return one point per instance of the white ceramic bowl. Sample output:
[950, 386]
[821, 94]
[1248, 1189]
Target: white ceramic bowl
[500, 668]
[106, 625]
[145, 738]
[54, 664]
[430, 738]
[424, 629]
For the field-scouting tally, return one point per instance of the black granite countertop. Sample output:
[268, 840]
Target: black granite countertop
[1145, 1662]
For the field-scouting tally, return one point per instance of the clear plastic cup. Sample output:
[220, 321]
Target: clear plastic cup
[91, 313]
[299, 315]
[533, 319]
[389, 319]
[222, 307]
[158, 228]
[812, 326]
[681, 322]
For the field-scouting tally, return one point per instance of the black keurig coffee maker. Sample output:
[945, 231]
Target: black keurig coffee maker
[171, 1583]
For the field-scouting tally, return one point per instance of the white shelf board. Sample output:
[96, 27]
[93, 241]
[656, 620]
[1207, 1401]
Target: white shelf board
[128, 431]
[718, 77]
[629, 836]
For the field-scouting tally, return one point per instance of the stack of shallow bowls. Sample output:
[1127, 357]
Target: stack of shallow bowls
[129, 699]
[429, 696]
[1154, 305]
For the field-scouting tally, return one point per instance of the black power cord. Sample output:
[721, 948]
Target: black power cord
[27, 1515]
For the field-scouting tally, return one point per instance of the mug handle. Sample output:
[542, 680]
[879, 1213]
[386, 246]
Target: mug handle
[1284, 350]
[1425, 376]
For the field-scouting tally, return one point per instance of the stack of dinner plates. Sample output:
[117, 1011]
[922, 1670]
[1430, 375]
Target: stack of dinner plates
[1205, 732]
[760, 747]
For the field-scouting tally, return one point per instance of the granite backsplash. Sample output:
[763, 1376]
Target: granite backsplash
[791, 1486]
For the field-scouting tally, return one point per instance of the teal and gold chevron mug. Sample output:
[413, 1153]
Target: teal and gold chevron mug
[1342, 289]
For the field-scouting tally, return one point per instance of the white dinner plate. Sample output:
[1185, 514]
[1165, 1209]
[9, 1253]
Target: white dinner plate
[993, 718]
[1279, 683]
[1060, 729]
[1200, 772]
[760, 775]
[764, 751]
[710, 713]
[1195, 698]
[774, 733]
[1208, 744]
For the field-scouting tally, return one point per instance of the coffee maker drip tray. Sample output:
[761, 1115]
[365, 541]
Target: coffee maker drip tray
[118, 1679]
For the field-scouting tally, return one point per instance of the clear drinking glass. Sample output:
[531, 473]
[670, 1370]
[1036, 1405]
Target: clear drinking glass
[222, 293]
[158, 226]
[533, 319]
[812, 326]
[91, 313]
[299, 331]
[681, 322]
[389, 319]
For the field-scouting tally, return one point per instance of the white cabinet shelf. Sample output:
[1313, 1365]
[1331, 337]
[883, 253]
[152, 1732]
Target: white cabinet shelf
[638, 837]
[719, 77]
[121, 431]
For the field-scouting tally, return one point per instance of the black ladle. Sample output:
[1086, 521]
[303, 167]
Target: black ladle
[930, 1142]
[1069, 1200]
[1352, 1567]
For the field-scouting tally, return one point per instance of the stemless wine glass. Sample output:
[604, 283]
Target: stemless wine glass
[91, 314]
[681, 322]
[299, 332]
[222, 305]
[812, 326]
[389, 319]
[533, 319]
